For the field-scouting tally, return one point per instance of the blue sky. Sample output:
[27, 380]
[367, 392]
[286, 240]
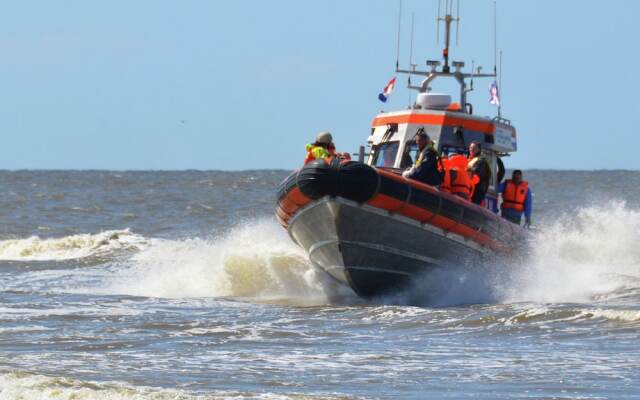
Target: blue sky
[245, 85]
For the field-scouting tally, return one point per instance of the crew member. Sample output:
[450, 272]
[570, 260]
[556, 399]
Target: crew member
[426, 168]
[456, 178]
[516, 199]
[480, 172]
[323, 147]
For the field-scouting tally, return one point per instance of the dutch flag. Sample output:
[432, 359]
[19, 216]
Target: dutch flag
[386, 92]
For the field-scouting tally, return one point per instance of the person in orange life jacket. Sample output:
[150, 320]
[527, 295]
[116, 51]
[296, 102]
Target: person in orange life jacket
[516, 199]
[456, 178]
[323, 147]
[480, 172]
[426, 168]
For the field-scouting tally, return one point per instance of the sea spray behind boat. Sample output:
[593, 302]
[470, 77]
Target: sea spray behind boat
[586, 253]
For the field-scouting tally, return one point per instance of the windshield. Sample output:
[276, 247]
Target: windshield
[410, 154]
[385, 155]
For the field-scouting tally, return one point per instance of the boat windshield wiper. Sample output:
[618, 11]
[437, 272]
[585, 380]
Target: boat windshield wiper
[391, 129]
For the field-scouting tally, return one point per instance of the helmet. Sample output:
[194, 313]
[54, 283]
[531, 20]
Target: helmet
[324, 137]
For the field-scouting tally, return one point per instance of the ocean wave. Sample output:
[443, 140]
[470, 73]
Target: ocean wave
[544, 314]
[255, 261]
[21, 385]
[69, 247]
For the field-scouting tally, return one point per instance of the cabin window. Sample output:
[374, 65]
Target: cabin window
[385, 154]
[409, 156]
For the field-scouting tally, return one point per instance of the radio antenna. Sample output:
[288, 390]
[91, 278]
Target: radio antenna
[438, 24]
[398, 44]
[411, 64]
[411, 42]
[495, 38]
[457, 22]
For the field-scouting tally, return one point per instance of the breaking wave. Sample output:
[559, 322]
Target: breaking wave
[549, 314]
[254, 261]
[69, 247]
[21, 385]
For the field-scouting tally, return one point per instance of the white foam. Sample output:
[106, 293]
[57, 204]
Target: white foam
[613, 314]
[32, 386]
[579, 257]
[23, 329]
[69, 247]
[256, 260]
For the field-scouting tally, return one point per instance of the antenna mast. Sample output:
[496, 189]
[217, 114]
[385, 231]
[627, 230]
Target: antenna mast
[495, 38]
[447, 19]
[437, 24]
[436, 68]
[411, 64]
[458, 23]
[398, 45]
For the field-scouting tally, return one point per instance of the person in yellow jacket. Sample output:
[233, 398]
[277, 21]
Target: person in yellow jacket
[322, 148]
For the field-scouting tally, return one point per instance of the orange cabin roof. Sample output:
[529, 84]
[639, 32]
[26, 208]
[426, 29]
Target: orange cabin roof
[435, 119]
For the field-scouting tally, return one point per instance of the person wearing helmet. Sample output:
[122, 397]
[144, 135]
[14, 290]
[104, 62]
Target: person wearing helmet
[323, 147]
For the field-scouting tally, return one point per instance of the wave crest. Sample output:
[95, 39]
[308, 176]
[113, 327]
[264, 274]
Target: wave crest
[256, 260]
[22, 385]
[69, 247]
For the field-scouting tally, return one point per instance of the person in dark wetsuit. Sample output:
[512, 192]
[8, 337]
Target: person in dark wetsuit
[425, 169]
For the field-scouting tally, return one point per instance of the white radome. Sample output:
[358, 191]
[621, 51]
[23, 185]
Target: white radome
[433, 100]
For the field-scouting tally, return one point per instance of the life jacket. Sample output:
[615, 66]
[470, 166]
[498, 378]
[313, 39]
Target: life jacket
[446, 179]
[315, 152]
[461, 183]
[479, 183]
[456, 178]
[458, 160]
[514, 195]
[471, 164]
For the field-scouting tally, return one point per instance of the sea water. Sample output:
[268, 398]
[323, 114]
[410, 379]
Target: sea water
[181, 285]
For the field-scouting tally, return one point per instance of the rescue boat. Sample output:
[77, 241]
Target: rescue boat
[380, 233]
